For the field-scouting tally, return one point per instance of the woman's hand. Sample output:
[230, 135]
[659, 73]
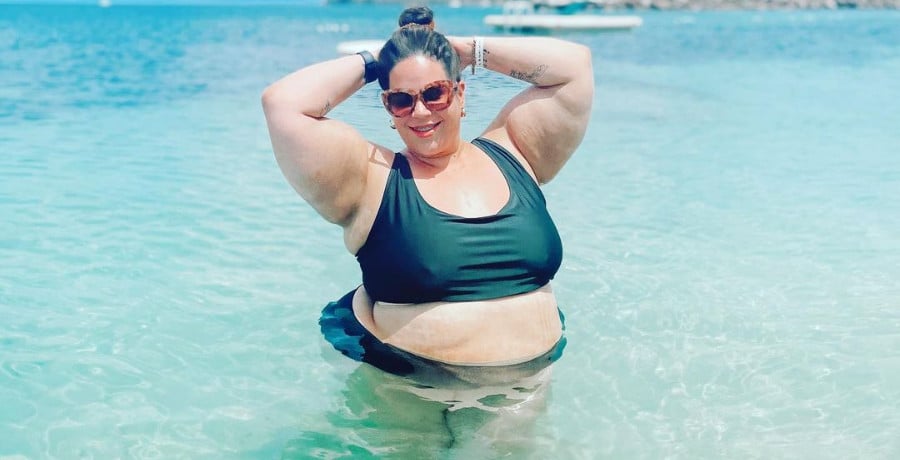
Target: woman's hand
[464, 48]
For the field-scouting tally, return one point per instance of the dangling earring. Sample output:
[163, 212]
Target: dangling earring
[392, 125]
[463, 112]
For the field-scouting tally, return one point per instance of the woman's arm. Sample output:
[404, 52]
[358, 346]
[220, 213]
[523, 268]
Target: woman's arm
[547, 121]
[325, 160]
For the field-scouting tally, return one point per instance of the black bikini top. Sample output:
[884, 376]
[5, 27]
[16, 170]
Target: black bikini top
[416, 253]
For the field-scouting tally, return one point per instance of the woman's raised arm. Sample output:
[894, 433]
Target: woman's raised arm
[325, 160]
[547, 121]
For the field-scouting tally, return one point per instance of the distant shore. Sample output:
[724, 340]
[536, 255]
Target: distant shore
[614, 5]
[749, 4]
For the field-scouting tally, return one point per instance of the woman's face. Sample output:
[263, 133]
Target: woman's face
[427, 133]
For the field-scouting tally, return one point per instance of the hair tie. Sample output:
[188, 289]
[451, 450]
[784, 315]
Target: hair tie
[429, 26]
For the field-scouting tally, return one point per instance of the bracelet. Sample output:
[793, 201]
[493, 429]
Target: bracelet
[477, 53]
[371, 66]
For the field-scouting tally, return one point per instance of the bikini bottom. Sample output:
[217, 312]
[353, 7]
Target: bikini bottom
[433, 379]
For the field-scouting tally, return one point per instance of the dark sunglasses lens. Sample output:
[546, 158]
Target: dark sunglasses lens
[399, 101]
[437, 97]
[435, 93]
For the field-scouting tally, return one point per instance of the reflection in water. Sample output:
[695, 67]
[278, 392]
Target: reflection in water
[382, 415]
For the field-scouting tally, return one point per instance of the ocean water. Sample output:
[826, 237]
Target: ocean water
[731, 226]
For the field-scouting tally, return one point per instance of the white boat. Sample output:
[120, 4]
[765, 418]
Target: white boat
[525, 16]
[355, 46]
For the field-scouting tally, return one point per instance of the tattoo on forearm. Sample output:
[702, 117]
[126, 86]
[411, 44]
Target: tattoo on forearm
[485, 58]
[326, 109]
[531, 77]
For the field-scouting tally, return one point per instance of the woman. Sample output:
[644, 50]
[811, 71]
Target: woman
[453, 237]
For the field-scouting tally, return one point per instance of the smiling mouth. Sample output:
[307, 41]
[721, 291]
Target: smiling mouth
[424, 129]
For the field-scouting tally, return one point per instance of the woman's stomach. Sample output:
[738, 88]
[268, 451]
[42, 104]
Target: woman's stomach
[502, 331]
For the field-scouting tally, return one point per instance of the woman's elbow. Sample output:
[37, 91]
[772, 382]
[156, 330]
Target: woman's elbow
[269, 98]
[584, 52]
[277, 97]
[582, 83]
[584, 62]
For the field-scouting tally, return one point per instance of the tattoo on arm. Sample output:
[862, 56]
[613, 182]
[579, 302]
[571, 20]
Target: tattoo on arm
[530, 77]
[326, 109]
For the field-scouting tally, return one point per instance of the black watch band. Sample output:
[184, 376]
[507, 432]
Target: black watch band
[371, 66]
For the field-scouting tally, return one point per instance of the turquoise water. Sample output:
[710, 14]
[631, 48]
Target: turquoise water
[731, 226]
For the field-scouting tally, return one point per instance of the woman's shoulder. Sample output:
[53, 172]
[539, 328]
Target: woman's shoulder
[498, 138]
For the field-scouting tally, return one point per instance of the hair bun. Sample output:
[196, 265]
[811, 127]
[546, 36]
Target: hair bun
[416, 16]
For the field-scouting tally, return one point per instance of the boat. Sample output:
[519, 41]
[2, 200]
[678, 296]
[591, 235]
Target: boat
[355, 46]
[528, 16]
[532, 16]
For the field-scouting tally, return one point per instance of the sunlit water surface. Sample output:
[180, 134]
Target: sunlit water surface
[731, 226]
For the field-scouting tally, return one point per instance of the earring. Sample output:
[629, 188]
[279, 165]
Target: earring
[392, 125]
[463, 112]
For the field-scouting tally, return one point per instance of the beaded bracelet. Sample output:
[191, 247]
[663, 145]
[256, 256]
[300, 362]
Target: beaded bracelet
[477, 53]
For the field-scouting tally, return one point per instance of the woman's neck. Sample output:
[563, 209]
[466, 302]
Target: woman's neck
[435, 164]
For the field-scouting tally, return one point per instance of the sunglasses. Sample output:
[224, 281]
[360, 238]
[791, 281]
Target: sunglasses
[437, 96]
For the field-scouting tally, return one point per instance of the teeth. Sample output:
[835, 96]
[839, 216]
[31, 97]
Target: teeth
[423, 129]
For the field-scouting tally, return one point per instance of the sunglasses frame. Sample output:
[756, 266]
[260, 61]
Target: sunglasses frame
[417, 96]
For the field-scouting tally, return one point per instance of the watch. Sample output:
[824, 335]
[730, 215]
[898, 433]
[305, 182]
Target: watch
[371, 64]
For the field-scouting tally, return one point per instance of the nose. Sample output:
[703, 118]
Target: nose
[419, 108]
